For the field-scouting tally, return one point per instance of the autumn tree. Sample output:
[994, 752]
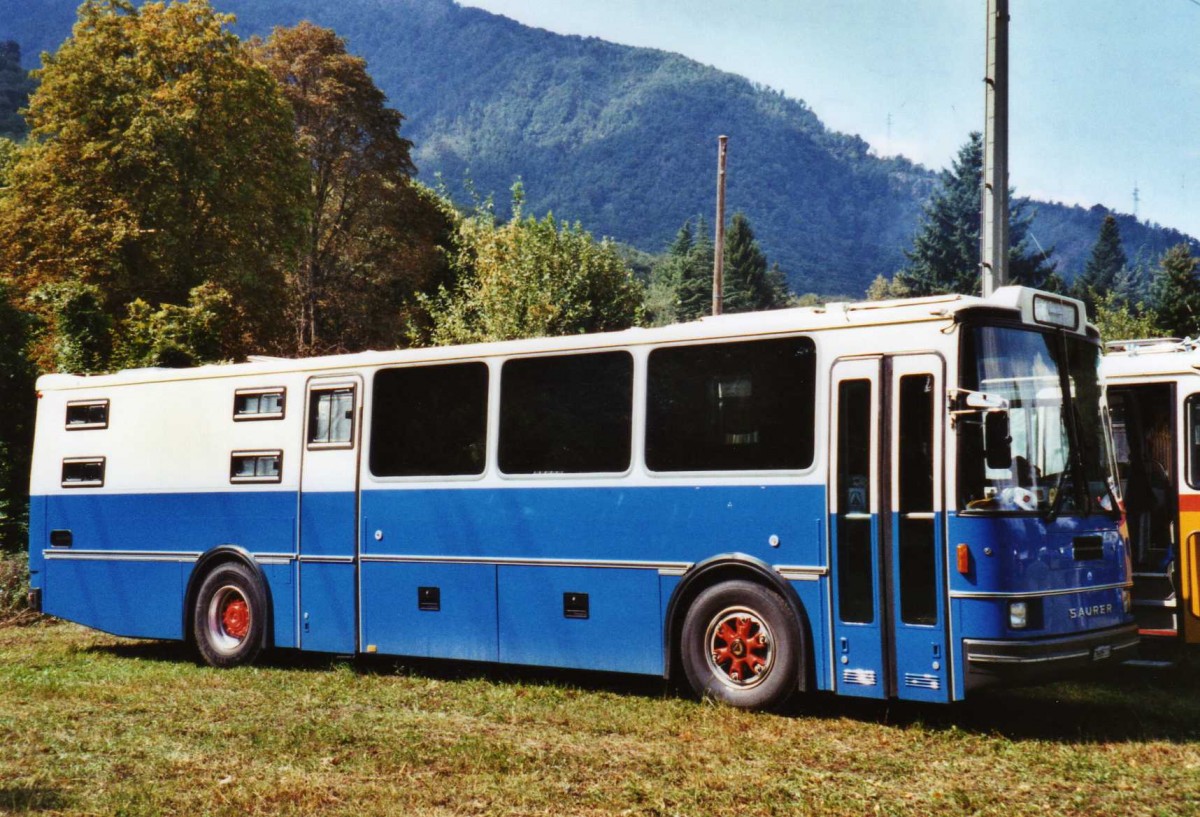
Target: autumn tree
[371, 240]
[529, 277]
[161, 156]
[946, 251]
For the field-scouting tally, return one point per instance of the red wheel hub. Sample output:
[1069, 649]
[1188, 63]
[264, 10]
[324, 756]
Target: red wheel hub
[235, 618]
[740, 648]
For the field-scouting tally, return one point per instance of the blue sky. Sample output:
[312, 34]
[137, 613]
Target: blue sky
[1105, 94]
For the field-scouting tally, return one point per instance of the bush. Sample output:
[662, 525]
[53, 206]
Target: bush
[14, 588]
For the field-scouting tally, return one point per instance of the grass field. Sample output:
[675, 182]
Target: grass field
[92, 724]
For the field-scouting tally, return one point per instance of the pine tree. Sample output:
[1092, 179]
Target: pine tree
[695, 281]
[1104, 267]
[749, 285]
[945, 253]
[1176, 293]
[662, 294]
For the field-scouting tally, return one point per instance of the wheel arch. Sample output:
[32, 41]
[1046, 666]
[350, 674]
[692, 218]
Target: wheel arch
[219, 555]
[722, 568]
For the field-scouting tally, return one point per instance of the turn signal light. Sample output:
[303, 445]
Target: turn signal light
[964, 559]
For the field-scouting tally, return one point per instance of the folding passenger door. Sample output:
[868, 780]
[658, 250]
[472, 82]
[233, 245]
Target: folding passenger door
[887, 527]
[854, 506]
[329, 513]
[915, 553]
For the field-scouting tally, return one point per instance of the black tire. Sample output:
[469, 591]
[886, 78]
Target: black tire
[229, 616]
[741, 645]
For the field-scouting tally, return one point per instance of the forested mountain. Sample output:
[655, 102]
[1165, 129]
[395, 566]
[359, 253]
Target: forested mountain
[623, 139]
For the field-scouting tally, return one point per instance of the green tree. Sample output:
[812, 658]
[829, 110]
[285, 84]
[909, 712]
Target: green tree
[945, 254]
[696, 275]
[662, 294]
[371, 239]
[17, 404]
[176, 336]
[529, 278]
[1118, 319]
[749, 285]
[1105, 266]
[161, 156]
[1175, 293]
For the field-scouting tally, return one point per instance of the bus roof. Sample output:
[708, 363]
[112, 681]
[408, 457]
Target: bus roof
[1151, 357]
[831, 316]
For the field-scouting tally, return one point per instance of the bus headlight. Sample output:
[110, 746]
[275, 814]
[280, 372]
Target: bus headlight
[1126, 599]
[1018, 615]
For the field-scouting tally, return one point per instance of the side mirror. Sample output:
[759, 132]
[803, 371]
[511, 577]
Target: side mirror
[996, 440]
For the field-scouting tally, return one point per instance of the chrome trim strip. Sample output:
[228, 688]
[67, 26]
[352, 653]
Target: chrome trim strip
[976, 658]
[337, 560]
[972, 594]
[273, 560]
[681, 567]
[122, 555]
[802, 573]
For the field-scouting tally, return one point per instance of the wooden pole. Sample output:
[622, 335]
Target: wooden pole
[719, 250]
[994, 252]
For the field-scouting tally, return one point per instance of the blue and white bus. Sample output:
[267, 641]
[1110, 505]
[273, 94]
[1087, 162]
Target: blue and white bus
[906, 499]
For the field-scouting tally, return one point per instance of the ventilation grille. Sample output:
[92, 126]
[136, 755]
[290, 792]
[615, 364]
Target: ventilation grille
[922, 681]
[859, 677]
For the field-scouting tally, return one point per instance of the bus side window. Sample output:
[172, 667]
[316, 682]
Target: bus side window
[1193, 440]
[331, 417]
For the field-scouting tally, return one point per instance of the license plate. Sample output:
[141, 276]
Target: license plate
[1102, 652]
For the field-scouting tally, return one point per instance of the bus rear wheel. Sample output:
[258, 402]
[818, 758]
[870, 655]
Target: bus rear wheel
[229, 616]
[740, 645]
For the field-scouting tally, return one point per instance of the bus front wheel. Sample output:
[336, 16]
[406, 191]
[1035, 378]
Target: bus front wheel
[229, 616]
[740, 645]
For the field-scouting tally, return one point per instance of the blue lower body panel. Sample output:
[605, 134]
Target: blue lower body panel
[622, 630]
[328, 607]
[463, 625]
[129, 598]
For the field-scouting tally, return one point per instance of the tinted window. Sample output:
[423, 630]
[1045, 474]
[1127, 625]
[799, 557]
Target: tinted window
[255, 466]
[918, 561]
[83, 472]
[731, 406]
[250, 404]
[430, 421]
[855, 563]
[569, 414]
[87, 414]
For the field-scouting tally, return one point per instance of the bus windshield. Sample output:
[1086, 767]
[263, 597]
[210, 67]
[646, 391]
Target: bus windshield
[1034, 438]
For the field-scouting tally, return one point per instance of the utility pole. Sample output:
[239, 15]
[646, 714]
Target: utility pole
[994, 260]
[719, 250]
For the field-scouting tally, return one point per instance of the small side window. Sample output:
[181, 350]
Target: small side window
[87, 414]
[1193, 440]
[259, 404]
[83, 472]
[331, 417]
[256, 466]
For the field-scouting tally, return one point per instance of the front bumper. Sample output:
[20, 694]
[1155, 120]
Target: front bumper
[1015, 662]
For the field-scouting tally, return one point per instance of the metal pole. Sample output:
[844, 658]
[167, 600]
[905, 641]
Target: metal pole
[994, 252]
[719, 250]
